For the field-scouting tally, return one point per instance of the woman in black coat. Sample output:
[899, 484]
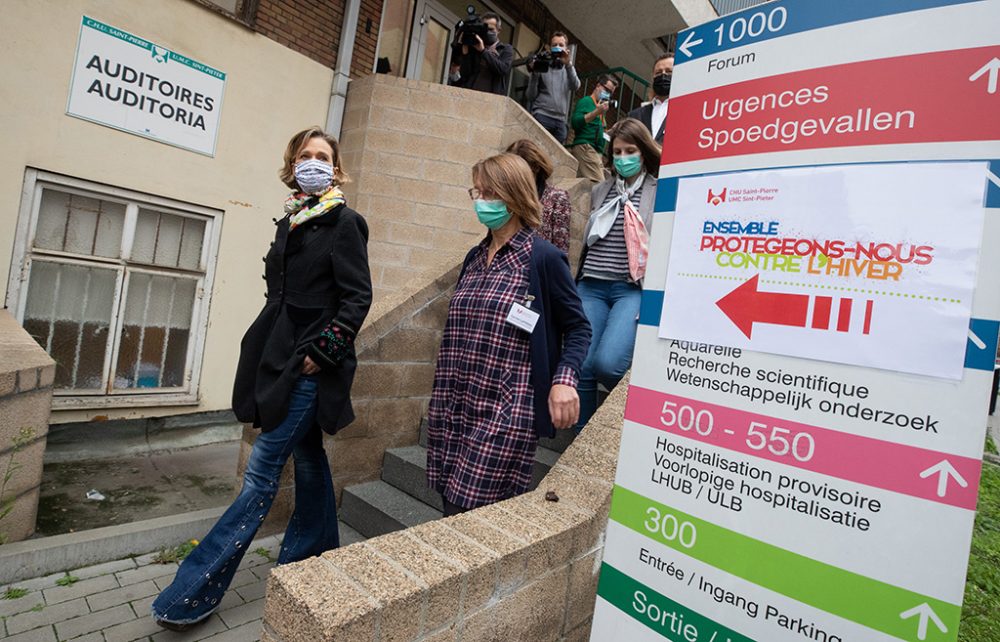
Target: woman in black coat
[293, 379]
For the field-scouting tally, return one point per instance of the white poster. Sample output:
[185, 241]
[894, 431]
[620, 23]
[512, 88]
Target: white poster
[128, 83]
[868, 264]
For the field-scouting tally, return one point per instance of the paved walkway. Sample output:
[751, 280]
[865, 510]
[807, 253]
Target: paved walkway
[110, 603]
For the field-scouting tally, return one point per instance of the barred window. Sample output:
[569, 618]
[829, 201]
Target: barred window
[113, 284]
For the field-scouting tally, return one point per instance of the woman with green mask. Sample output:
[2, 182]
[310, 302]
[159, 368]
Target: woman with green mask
[613, 262]
[513, 344]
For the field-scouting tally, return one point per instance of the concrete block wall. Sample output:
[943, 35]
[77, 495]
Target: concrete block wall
[397, 350]
[522, 569]
[26, 375]
[409, 147]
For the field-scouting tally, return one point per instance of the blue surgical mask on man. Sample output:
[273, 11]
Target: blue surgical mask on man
[604, 95]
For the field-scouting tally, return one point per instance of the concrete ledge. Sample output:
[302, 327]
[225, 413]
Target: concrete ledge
[26, 376]
[47, 555]
[522, 569]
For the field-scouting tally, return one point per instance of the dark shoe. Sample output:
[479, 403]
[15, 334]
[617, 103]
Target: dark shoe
[179, 626]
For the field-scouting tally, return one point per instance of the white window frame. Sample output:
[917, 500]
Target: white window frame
[35, 181]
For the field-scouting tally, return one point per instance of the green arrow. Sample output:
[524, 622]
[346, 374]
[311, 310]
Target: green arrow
[843, 593]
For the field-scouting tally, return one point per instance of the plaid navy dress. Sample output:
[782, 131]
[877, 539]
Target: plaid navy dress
[481, 437]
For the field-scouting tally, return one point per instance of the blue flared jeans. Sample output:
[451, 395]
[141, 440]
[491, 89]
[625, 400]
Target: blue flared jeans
[612, 307]
[206, 573]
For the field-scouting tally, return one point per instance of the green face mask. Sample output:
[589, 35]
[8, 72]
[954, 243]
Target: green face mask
[628, 166]
[492, 214]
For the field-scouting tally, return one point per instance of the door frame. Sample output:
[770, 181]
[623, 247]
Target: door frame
[424, 11]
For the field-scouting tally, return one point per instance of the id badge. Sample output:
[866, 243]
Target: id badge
[522, 317]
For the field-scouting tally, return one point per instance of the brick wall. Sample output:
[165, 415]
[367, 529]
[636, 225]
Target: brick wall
[310, 27]
[366, 40]
[521, 569]
[26, 375]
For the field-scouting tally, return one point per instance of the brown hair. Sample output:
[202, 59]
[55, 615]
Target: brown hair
[559, 34]
[536, 158]
[509, 177]
[295, 145]
[633, 131]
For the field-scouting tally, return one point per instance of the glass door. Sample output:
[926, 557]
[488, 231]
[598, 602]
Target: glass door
[430, 44]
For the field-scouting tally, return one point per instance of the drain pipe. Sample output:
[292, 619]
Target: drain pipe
[342, 74]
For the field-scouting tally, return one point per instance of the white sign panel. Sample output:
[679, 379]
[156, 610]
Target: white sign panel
[128, 83]
[870, 264]
[802, 443]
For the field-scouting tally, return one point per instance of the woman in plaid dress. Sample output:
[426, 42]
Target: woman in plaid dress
[513, 344]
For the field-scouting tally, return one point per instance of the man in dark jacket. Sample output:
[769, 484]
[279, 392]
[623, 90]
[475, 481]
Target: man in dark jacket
[484, 66]
[654, 113]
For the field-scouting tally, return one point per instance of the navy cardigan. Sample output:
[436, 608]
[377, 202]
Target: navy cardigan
[562, 334]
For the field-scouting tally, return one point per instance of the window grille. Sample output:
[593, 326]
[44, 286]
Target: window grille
[112, 284]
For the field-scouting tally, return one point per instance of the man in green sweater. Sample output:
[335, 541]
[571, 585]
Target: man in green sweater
[588, 124]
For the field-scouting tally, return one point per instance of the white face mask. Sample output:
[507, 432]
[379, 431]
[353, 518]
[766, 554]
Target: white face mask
[313, 176]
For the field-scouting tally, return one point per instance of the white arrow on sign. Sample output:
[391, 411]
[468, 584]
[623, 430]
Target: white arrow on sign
[926, 613]
[685, 48]
[945, 470]
[993, 69]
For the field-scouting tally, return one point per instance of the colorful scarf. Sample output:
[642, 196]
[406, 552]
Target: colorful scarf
[295, 205]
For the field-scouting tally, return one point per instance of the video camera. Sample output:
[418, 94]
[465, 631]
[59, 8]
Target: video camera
[471, 27]
[542, 62]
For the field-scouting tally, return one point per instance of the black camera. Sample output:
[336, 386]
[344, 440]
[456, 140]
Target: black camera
[471, 27]
[542, 62]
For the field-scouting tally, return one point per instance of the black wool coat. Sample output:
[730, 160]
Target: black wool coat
[317, 276]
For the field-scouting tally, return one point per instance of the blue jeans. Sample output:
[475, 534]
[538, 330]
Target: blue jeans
[612, 307]
[555, 126]
[206, 573]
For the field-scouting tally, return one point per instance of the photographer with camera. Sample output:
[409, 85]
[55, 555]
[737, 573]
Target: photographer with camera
[553, 80]
[478, 59]
[588, 126]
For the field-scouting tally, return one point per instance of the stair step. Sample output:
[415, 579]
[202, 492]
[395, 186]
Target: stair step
[376, 508]
[349, 536]
[545, 459]
[559, 443]
[406, 469]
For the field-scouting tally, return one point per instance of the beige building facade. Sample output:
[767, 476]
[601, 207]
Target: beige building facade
[135, 263]
[131, 251]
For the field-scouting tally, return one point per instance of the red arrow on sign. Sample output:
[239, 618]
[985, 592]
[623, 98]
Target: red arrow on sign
[746, 305]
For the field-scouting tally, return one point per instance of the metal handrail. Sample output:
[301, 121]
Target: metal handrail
[631, 93]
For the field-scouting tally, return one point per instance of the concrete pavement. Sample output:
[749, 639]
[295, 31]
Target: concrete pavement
[110, 603]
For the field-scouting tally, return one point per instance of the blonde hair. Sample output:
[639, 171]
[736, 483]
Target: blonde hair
[295, 145]
[509, 177]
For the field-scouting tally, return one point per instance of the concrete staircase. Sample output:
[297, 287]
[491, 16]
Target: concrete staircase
[401, 498]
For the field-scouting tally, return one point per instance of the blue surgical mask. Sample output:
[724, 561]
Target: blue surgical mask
[556, 50]
[628, 166]
[604, 95]
[493, 213]
[313, 176]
